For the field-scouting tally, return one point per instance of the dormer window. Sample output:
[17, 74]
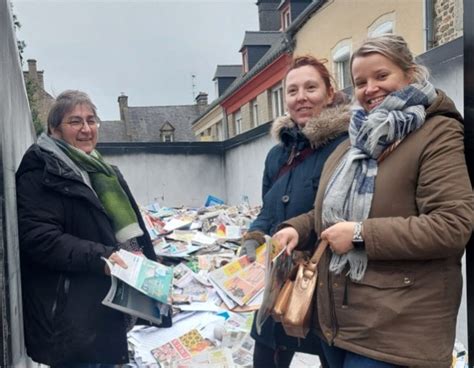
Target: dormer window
[167, 137]
[167, 132]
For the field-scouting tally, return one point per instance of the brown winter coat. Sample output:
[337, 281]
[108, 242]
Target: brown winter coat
[404, 309]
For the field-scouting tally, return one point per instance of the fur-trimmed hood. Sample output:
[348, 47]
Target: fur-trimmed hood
[329, 124]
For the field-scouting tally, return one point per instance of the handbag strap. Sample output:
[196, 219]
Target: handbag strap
[313, 262]
[294, 160]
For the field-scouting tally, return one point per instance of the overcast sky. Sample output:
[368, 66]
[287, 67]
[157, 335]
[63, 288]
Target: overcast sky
[145, 49]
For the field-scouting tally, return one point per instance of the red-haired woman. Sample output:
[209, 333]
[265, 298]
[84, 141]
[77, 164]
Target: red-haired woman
[316, 123]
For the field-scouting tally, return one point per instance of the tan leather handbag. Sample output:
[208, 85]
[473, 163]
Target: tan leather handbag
[294, 303]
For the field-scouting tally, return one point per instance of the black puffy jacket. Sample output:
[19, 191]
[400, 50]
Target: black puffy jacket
[64, 231]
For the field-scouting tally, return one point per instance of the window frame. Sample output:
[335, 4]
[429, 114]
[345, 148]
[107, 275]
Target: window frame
[255, 115]
[386, 27]
[341, 56]
[278, 107]
[237, 122]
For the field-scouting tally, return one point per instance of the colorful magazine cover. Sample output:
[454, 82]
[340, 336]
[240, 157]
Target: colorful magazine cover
[149, 277]
[184, 347]
[241, 280]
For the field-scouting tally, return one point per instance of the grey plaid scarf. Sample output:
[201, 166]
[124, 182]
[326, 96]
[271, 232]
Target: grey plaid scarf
[349, 193]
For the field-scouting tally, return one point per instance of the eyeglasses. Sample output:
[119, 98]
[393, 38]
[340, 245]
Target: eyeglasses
[78, 124]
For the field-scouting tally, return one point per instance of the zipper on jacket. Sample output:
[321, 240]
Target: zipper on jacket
[64, 283]
[292, 155]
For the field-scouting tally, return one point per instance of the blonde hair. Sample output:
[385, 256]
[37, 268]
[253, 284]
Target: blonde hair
[394, 48]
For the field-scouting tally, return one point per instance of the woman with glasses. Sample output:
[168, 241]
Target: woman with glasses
[73, 210]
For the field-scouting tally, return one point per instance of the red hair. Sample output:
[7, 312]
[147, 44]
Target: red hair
[300, 61]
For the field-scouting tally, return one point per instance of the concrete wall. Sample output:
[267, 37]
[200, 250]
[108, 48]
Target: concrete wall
[244, 170]
[172, 180]
[16, 134]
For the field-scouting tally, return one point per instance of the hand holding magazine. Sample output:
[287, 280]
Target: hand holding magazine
[141, 290]
[149, 277]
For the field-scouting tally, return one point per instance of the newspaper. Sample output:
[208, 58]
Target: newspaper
[278, 265]
[126, 299]
[240, 280]
[214, 358]
[148, 277]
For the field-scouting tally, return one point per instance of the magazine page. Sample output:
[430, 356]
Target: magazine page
[275, 276]
[184, 347]
[241, 280]
[149, 277]
[126, 299]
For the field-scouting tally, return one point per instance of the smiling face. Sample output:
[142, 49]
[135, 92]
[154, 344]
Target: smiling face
[83, 137]
[306, 94]
[375, 76]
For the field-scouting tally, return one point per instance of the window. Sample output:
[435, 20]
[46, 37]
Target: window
[286, 18]
[167, 137]
[383, 24]
[254, 107]
[167, 132]
[340, 55]
[277, 101]
[219, 131]
[385, 27]
[341, 66]
[245, 60]
[237, 122]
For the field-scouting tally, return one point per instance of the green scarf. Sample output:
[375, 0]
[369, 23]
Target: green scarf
[105, 183]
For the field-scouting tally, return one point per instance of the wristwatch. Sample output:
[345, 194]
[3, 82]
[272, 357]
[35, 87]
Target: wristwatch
[357, 239]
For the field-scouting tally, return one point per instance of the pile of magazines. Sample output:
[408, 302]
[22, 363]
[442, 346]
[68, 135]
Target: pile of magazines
[195, 306]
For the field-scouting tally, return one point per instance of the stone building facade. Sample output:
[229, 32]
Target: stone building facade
[448, 21]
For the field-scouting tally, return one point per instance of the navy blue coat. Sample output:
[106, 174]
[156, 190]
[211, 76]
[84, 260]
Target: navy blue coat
[293, 193]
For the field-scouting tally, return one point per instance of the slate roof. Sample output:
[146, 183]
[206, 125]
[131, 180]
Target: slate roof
[112, 131]
[260, 38]
[223, 71]
[279, 46]
[145, 123]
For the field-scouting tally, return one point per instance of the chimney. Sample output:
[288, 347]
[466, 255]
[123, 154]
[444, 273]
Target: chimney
[201, 99]
[123, 106]
[32, 71]
[269, 15]
[41, 79]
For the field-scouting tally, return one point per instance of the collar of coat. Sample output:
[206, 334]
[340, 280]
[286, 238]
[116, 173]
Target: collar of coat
[329, 124]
